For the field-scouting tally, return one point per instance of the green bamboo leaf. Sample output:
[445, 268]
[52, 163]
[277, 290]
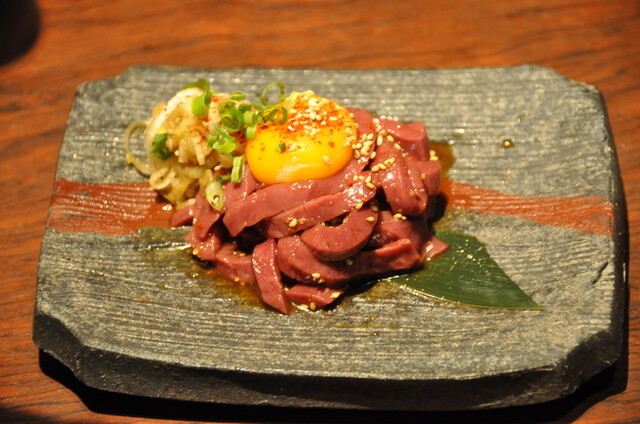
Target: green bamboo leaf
[467, 274]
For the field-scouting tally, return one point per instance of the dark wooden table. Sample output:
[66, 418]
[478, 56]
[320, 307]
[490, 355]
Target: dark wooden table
[596, 41]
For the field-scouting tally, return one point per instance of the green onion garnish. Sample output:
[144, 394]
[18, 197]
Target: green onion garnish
[221, 141]
[250, 132]
[201, 83]
[238, 95]
[265, 92]
[232, 120]
[200, 105]
[281, 147]
[238, 169]
[275, 114]
[159, 146]
[215, 195]
[226, 106]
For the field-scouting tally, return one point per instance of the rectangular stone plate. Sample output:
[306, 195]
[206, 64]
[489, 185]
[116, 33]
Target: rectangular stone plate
[122, 303]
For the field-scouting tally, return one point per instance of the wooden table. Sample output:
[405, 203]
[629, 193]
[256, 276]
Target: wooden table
[595, 42]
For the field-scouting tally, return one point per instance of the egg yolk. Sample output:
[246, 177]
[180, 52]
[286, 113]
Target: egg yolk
[314, 142]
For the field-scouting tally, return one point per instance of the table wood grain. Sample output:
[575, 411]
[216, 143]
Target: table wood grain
[595, 42]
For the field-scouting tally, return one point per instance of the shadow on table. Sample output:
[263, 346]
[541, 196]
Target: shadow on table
[19, 28]
[609, 382]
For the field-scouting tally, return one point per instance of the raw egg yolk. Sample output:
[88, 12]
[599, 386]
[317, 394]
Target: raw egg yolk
[314, 142]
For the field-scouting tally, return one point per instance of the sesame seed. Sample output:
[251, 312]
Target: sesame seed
[315, 275]
[293, 223]
[312, 306]
[370, 218]
[375, 168]
[370, 185]
[335, 295]
[349, 261]
[359, 205]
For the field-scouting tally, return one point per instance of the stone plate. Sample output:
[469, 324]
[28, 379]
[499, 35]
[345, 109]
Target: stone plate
[122, 303]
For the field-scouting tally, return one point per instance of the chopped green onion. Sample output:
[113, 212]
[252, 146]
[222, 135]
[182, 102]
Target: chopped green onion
[250, 117]
[201, 83]
[290, 101]
[223, 178]
[232, 120]
[159, 146]
[281, 147]
[250, 132]
[275, 114]
[215, 195]
[238, 169]
[221, 141]
[238, 95]
[200, 105]
[265, 92]
[243, 107]
[226, 106]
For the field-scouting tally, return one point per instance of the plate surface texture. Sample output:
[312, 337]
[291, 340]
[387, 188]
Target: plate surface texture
[122, 303]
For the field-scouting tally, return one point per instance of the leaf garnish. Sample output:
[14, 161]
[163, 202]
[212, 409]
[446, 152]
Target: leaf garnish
[467, 274]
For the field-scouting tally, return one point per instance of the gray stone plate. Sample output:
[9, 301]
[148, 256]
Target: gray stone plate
[135, 313]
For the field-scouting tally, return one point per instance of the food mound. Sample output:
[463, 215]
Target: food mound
[300, 196]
